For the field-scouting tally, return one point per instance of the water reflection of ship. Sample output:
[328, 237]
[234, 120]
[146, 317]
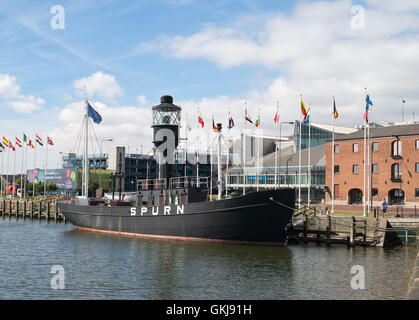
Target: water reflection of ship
[178, 207]
[263, 270]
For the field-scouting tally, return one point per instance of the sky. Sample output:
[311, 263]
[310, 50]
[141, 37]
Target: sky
[217, 55]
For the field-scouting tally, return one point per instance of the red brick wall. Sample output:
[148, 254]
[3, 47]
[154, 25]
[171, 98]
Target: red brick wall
[380, 180]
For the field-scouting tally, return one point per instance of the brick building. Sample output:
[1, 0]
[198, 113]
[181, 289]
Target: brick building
[394, 169]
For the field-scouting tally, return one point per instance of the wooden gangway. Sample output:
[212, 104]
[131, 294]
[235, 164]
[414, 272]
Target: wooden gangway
[309, 226]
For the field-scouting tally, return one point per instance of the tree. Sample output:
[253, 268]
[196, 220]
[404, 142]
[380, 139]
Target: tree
[52, 186]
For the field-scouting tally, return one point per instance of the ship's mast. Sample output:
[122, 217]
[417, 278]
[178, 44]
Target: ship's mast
[219, 174]
[86, 150]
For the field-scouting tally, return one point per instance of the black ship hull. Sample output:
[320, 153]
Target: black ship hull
[257, 217]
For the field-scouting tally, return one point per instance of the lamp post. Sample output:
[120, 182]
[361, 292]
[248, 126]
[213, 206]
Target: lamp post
[100, 170]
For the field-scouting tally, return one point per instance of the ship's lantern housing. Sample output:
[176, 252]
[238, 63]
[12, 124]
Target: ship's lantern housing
[166, 116]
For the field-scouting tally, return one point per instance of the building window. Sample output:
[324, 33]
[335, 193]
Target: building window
[355, 169]
[396, 171]
[336, 191]
[417, 144]
[337, 148]
[355, 147]
[374, 168]
[396, 148]
[336, 169]
[355, 196]
[374, 192]
[374, 147]
[396, 196]
[417, 192]
[417, 167]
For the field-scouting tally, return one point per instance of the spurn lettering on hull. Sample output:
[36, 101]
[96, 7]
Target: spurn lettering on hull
[167, 210]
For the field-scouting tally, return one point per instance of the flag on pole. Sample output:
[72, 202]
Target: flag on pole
[303, 108]
[257, 121]
[2, 146]
[25, 139]
[335, 111]
[39, 140]
[18, 142]
[49, 141]
[367, 107]
[246, 117]
[200, 120]
[11, 146]
[307, 117]
[276, 119]
[366, 117]
[230, 122]
[30, 144]
[5, 142]
[214, 127]
[368, 102]
[97, 118]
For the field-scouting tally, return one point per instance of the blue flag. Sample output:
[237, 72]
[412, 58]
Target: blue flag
[369, 103]
[97, 118]
[307, 116]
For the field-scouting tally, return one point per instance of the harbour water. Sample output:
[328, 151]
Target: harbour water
[98, 266]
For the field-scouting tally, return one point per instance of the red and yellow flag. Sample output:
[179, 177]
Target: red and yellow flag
[303, 109]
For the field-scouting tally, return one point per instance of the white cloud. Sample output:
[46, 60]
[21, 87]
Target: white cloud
[398, 6]
[142, 100]
[24, 107]
[8, 86]
[317, 54]
[314, 51]
[126, 125]
[100, 84]
[10, 91]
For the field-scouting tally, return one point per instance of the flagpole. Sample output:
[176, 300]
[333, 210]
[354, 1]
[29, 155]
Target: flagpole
[8, 167]
[26, 167]
[21, 175]
[14, 171]
[34, 168]
[309, 158]
[23, 170]
[276, 151]
[257, 155]
[45, 168]
[197, 155]
[365, 146]
[403, 101]
[2, 172]
[228, 152]
[211, 152]
[280, 151]
[333, 156]
[368, 167]
[186, 145]
[244, 150]
[219, 179]
[299, 165]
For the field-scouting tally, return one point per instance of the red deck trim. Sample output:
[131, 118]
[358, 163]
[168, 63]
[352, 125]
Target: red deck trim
[194, 239]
